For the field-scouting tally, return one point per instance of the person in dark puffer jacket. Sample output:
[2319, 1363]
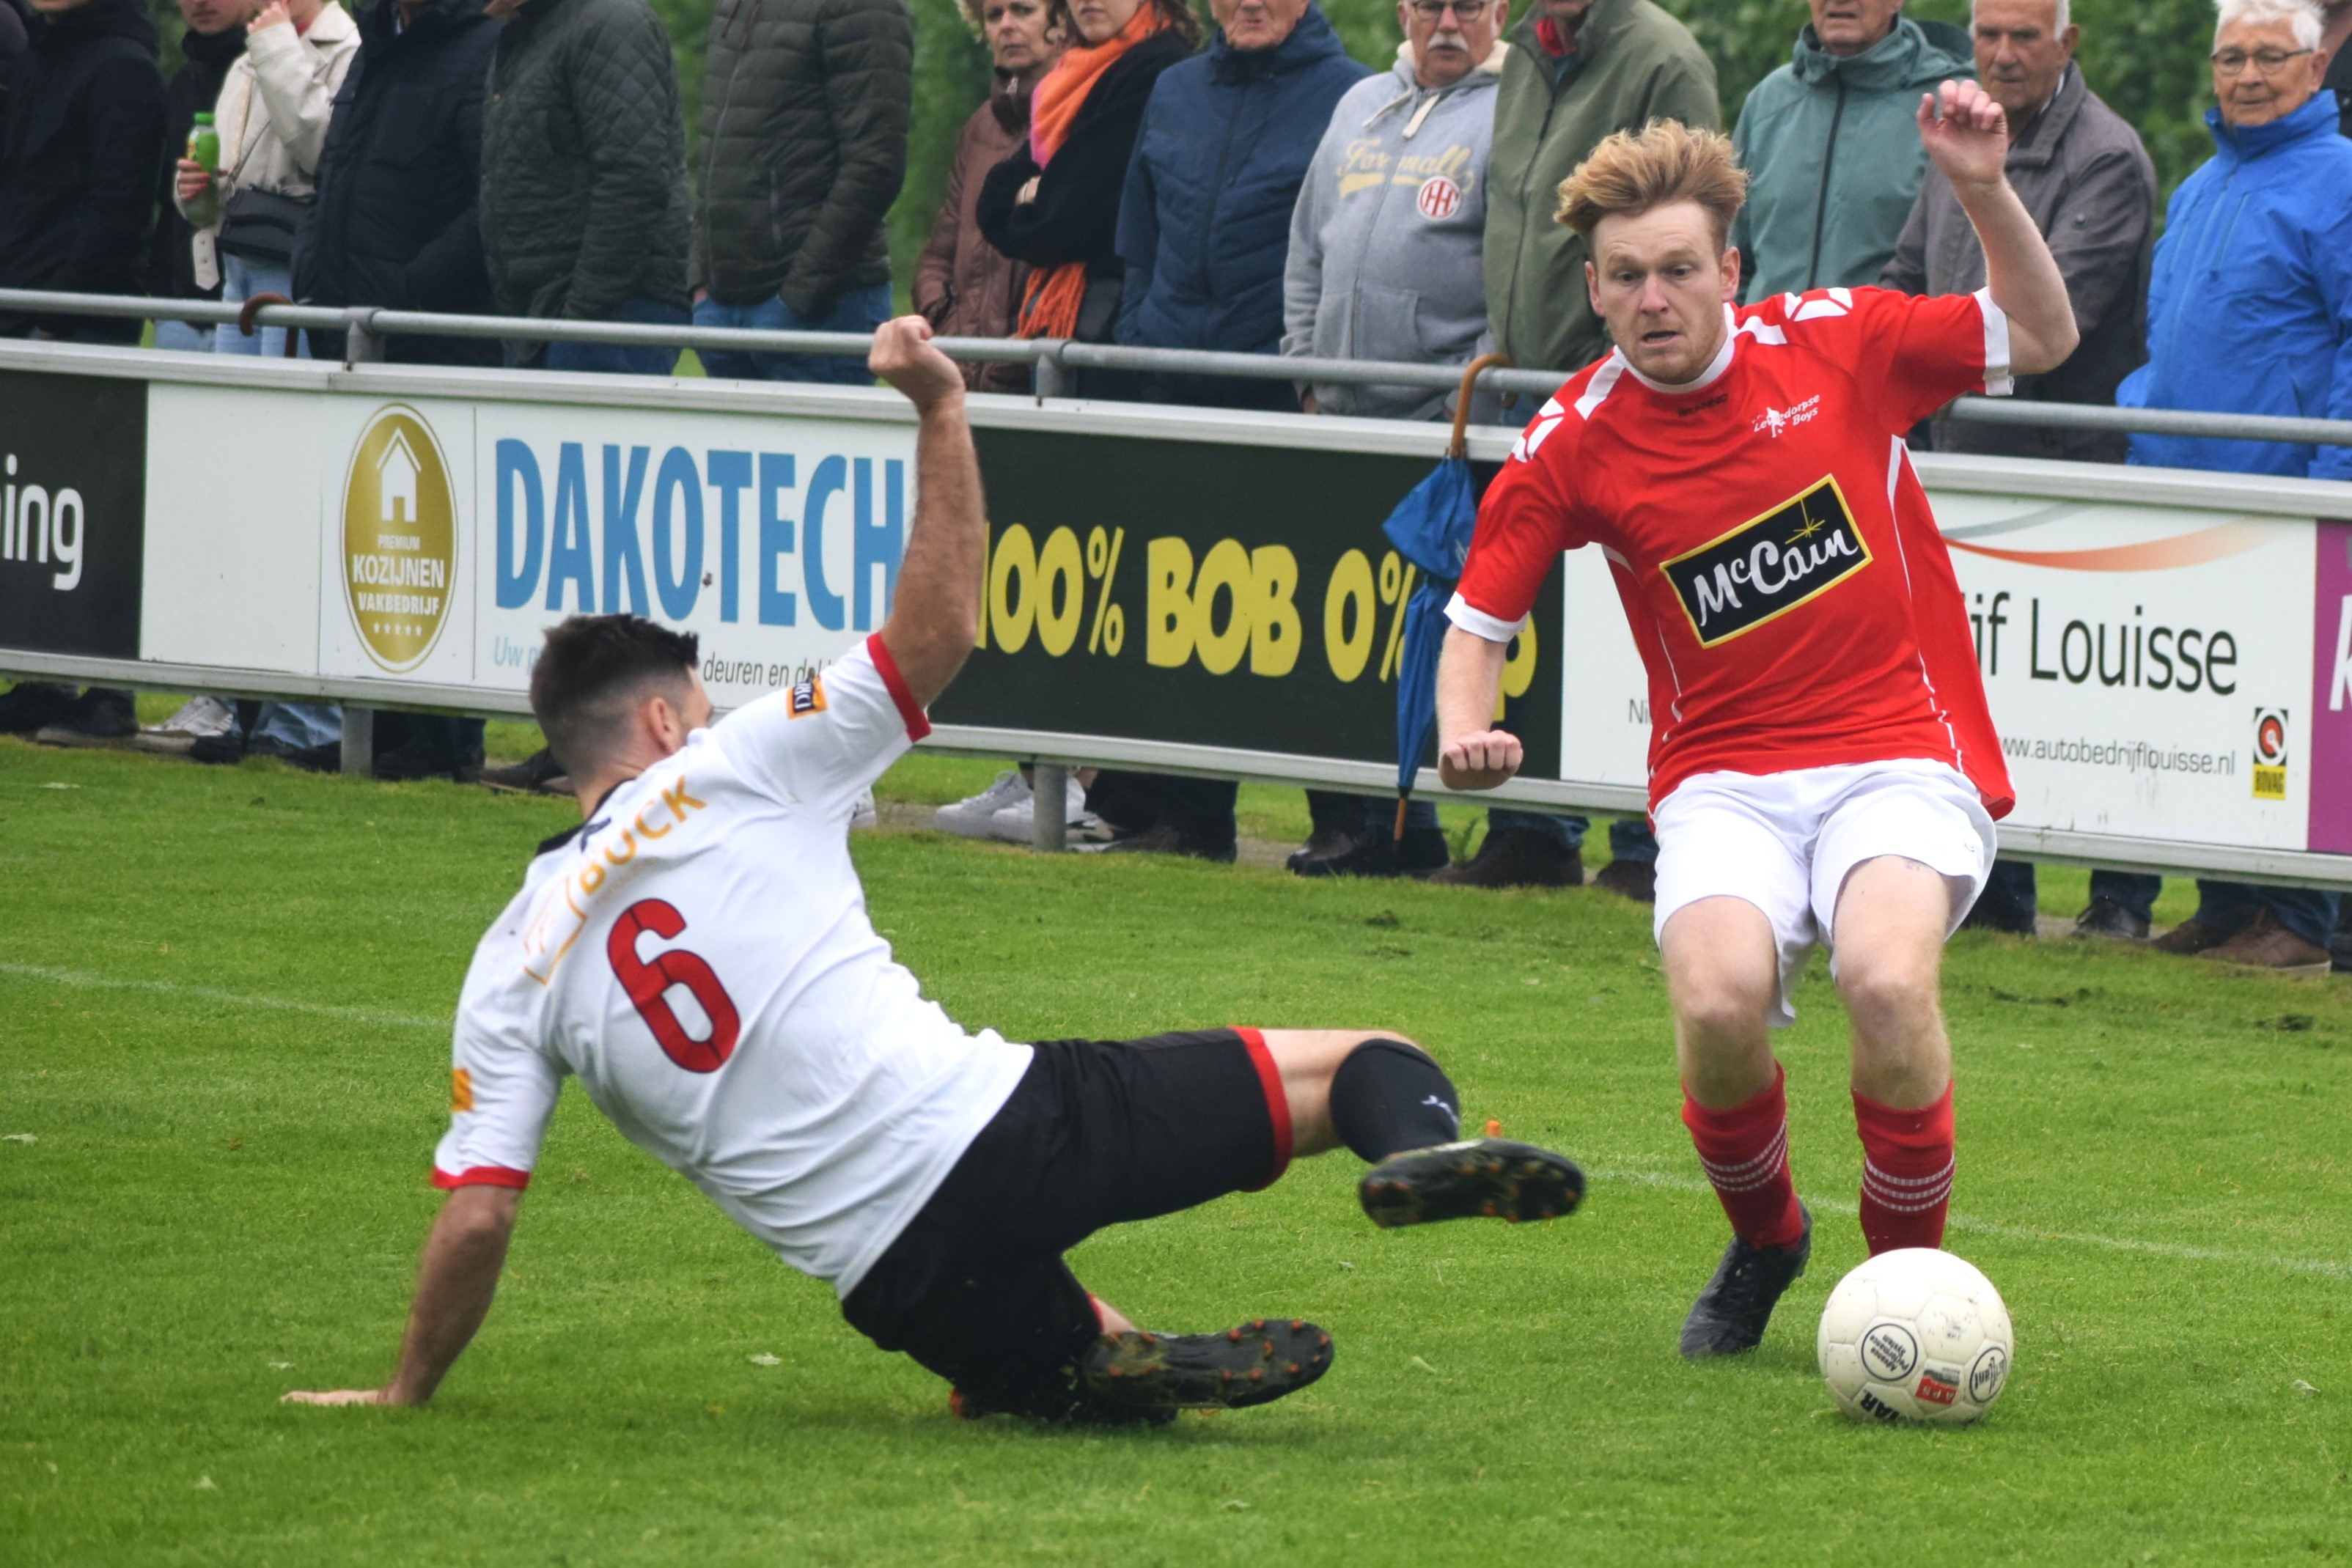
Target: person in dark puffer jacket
[584, 211]
[83, 161]
[1204, 230]
[1204, 227]
[804, 111]
[395, 223]
[214, 39]
[78, 180]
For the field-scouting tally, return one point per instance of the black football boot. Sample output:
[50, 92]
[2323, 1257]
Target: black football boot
[1260, 1360]
[1496, 1179]
[1730, 1315]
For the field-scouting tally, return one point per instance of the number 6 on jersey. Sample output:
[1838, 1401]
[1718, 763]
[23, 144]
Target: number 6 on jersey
[648, 985]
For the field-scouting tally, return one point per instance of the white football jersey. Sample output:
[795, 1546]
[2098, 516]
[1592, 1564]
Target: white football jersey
[699, 955]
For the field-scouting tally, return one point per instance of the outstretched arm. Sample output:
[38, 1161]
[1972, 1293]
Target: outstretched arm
[462, 1260]
[1472, 754]
[935, 616]
[1968, 141]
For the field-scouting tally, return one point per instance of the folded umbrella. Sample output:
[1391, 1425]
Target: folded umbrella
[1431, 529]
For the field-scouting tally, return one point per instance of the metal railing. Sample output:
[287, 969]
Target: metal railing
[1052, 359]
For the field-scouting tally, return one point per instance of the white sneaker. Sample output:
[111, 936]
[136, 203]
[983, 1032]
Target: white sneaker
[198, 717]
[970, 817]
[864, 814]
[1017, 824]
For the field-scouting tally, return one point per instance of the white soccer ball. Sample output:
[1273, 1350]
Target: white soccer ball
[1916, 1335]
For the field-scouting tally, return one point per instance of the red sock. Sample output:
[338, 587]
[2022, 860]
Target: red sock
[1906, 1173]
[1746, 1153]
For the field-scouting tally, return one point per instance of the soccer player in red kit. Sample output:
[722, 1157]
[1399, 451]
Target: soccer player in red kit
[1822, 761]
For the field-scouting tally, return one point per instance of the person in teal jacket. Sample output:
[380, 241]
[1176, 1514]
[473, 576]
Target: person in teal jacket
[1830, 142]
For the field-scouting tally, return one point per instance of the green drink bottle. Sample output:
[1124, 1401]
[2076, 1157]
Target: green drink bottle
[204, 144]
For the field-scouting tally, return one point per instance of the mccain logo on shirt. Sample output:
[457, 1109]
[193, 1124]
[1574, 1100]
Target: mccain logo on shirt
[1762, 570]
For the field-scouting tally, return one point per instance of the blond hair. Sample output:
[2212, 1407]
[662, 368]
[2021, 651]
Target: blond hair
[1631, 173]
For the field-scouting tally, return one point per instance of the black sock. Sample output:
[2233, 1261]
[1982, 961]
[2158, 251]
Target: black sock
[1388, 1097]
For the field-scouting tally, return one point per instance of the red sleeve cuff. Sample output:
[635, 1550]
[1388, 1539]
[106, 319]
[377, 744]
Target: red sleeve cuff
[481, 1175]
[917, 726]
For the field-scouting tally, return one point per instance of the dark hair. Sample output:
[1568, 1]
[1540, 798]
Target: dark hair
[591, 673]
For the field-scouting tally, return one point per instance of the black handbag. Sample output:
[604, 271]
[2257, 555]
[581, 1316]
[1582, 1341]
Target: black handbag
[260, 226]
[1099, 310]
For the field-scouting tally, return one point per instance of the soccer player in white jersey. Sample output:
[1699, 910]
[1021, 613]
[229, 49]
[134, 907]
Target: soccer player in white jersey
[698, 953]
[1822, 764]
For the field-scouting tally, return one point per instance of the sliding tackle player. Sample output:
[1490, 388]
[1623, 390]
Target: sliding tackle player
[698, 953]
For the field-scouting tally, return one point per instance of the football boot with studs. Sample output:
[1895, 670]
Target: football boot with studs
[1491, 1177]
[1260, 1360]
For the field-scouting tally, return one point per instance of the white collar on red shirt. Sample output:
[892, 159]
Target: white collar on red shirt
[1706, 377]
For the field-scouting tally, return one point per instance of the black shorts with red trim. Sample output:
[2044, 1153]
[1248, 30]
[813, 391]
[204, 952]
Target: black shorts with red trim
[1096, 1133]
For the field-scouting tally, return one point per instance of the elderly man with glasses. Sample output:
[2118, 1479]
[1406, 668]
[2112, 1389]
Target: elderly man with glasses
[2082, 173]
[2250, 311]
[1387, 247]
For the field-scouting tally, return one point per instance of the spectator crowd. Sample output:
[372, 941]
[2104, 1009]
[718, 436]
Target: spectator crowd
[1137, 177]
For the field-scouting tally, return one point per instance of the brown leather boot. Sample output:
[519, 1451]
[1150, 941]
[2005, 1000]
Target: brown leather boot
[2189, 936]
[2265, 944]
[1517, 857]
[1636, 880]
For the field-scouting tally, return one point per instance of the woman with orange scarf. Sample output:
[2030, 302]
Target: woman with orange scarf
[1053, 202]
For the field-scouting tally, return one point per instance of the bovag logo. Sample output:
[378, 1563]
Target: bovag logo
[400, 537]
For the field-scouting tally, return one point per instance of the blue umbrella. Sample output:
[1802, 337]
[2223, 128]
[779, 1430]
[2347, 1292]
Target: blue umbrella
[1431, 529]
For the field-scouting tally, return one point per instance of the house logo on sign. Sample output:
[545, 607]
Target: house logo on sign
[397, 473]
[400, 537]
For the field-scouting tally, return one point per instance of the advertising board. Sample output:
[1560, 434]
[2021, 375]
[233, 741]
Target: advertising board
[2168, 656]
[73, 456]
[466, 528]
[1210, 595]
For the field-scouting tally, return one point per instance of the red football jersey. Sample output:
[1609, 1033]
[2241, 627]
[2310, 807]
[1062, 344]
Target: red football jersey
[1785, 580]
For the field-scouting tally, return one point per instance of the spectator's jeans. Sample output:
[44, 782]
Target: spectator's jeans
[184, 338]
[2135, 890]
[613, 359]
[1630, 838]
[300, 725]
[242, 278]
[1358, 815]
[859, 310]
[2226, 906]
[2011, 890]
[1566, 831]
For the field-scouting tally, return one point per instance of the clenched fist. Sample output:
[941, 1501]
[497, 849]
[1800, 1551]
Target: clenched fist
[1480, 761]
[904, 357]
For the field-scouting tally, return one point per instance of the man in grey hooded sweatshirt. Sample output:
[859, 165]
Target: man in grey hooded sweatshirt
[1386, 264]
[1386, 241]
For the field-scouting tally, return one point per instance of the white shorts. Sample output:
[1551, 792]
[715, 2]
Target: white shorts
[1786, 841]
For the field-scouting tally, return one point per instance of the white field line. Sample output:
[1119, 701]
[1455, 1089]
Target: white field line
[83, 981]
[2022, 1232]
[87, 982]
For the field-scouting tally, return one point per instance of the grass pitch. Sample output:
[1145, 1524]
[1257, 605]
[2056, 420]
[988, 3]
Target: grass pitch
[222, 1061]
